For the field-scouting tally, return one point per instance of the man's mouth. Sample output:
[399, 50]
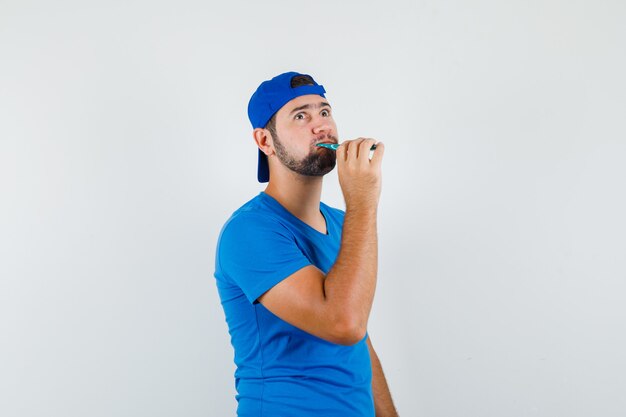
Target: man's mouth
[328, 141]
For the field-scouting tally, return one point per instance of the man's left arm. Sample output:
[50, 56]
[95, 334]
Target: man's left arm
[383, 403]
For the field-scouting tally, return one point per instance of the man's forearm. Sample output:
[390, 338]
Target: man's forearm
[383, 403]
[351, 282]
[348, 288]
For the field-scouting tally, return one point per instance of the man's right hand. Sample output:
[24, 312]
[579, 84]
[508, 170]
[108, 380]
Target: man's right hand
[360, 176]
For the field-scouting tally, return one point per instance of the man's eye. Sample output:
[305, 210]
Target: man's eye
[325, 113]
[299, 116]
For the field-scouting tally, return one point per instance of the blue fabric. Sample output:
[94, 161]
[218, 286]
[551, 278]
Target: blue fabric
[282, 370]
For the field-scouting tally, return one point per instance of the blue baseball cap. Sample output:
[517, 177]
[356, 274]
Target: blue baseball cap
[270, 97]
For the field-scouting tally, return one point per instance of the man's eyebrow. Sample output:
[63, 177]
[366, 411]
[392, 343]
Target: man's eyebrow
[308, 106]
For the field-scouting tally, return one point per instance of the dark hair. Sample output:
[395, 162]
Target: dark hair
[297, 81]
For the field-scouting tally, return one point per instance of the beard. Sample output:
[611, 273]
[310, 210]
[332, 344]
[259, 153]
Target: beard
[317, 163]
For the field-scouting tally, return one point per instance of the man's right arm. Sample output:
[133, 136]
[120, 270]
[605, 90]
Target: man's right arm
[336, 307]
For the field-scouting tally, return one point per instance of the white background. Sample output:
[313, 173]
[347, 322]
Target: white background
[125, 145]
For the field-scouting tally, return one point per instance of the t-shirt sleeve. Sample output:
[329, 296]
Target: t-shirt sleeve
[256, 252]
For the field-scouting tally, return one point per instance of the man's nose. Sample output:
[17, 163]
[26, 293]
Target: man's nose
[322, 124]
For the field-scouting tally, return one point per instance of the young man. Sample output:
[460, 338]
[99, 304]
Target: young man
[296, 277]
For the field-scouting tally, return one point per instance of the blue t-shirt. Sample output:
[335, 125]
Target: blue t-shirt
[283, 371]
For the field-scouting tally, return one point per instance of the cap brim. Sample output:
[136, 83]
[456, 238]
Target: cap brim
[263, 173]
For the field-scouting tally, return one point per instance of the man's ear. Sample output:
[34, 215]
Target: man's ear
[263, 140]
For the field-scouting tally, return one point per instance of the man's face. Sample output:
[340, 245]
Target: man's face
[300, 125]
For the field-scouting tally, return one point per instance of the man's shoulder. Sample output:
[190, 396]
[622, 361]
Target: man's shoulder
[251, 208]
[254, 215]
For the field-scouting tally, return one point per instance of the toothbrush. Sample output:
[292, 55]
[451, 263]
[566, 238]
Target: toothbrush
[334, 146]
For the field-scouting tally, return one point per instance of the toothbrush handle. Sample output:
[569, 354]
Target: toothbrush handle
[334, 146]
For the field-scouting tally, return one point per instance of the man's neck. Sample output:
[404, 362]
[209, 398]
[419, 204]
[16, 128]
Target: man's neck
[300, 195]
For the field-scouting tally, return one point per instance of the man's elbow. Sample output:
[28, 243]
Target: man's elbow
[348, 333]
